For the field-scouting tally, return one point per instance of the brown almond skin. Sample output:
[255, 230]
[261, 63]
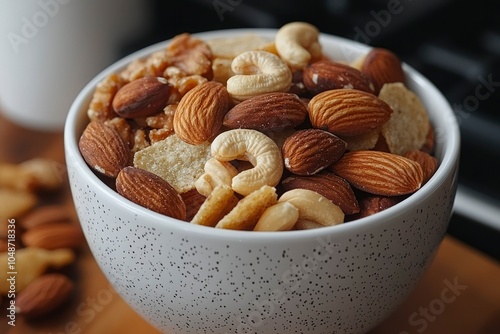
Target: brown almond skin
[371, 205]
[326, 75]
[44, 295]
[200, 112]
[430, 141]
[267, 112]
[150, 191]
[309, 151]
[382, 66]
[333, 187]
[348, 112]
[142, 97]
[193, 200]
[103, 149]
[54, 236]
[428, 162]
[379, 173]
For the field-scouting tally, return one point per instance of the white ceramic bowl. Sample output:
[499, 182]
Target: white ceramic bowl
[194, 279]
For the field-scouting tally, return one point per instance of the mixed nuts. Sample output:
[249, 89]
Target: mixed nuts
[270, 134]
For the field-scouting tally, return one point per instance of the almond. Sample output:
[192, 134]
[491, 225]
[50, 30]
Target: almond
[428, 163]
[54, 236]
[382, 66]
[193, 200]
[380, 173]
[267, 112]
[103, 149]
[430, 141]
[200, 112]
[45, 294]
[331, 186]
[308, 151]
[326, 75]
[373, 204]
[150, 191]
[298, 86]
[348, 112]
[142, 97]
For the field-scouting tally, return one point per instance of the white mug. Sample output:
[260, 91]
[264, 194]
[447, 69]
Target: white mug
[49, 49]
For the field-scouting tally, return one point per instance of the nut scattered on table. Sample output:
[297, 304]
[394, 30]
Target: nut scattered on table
[46, 240]
[44, 295]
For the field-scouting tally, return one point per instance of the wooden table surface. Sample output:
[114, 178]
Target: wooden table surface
[459, 294]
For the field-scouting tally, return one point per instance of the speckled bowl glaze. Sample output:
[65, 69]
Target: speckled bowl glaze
[195, 279]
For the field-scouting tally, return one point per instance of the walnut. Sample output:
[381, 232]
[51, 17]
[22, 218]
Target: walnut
[100, 108]
[162, 124]
[140, 140]
[154, 65]
[191, 55]
[181, 82]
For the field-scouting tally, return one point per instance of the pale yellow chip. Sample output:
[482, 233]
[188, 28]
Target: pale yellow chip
[230, 47]
[246, 213]
[409, 124]
[177, 162]
[220, 201]
[365, 141]
[15, 203]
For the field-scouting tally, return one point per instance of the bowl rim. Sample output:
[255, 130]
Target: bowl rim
[447, 166]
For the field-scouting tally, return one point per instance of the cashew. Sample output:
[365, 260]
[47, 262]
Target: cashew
[258, 72]
[279, 217]
[255, 147]
[313, 207]
[217, 173]
[306, 225]
[297, 44]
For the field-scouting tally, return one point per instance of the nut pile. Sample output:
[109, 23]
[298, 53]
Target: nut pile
[38, 240]
[249, 133]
